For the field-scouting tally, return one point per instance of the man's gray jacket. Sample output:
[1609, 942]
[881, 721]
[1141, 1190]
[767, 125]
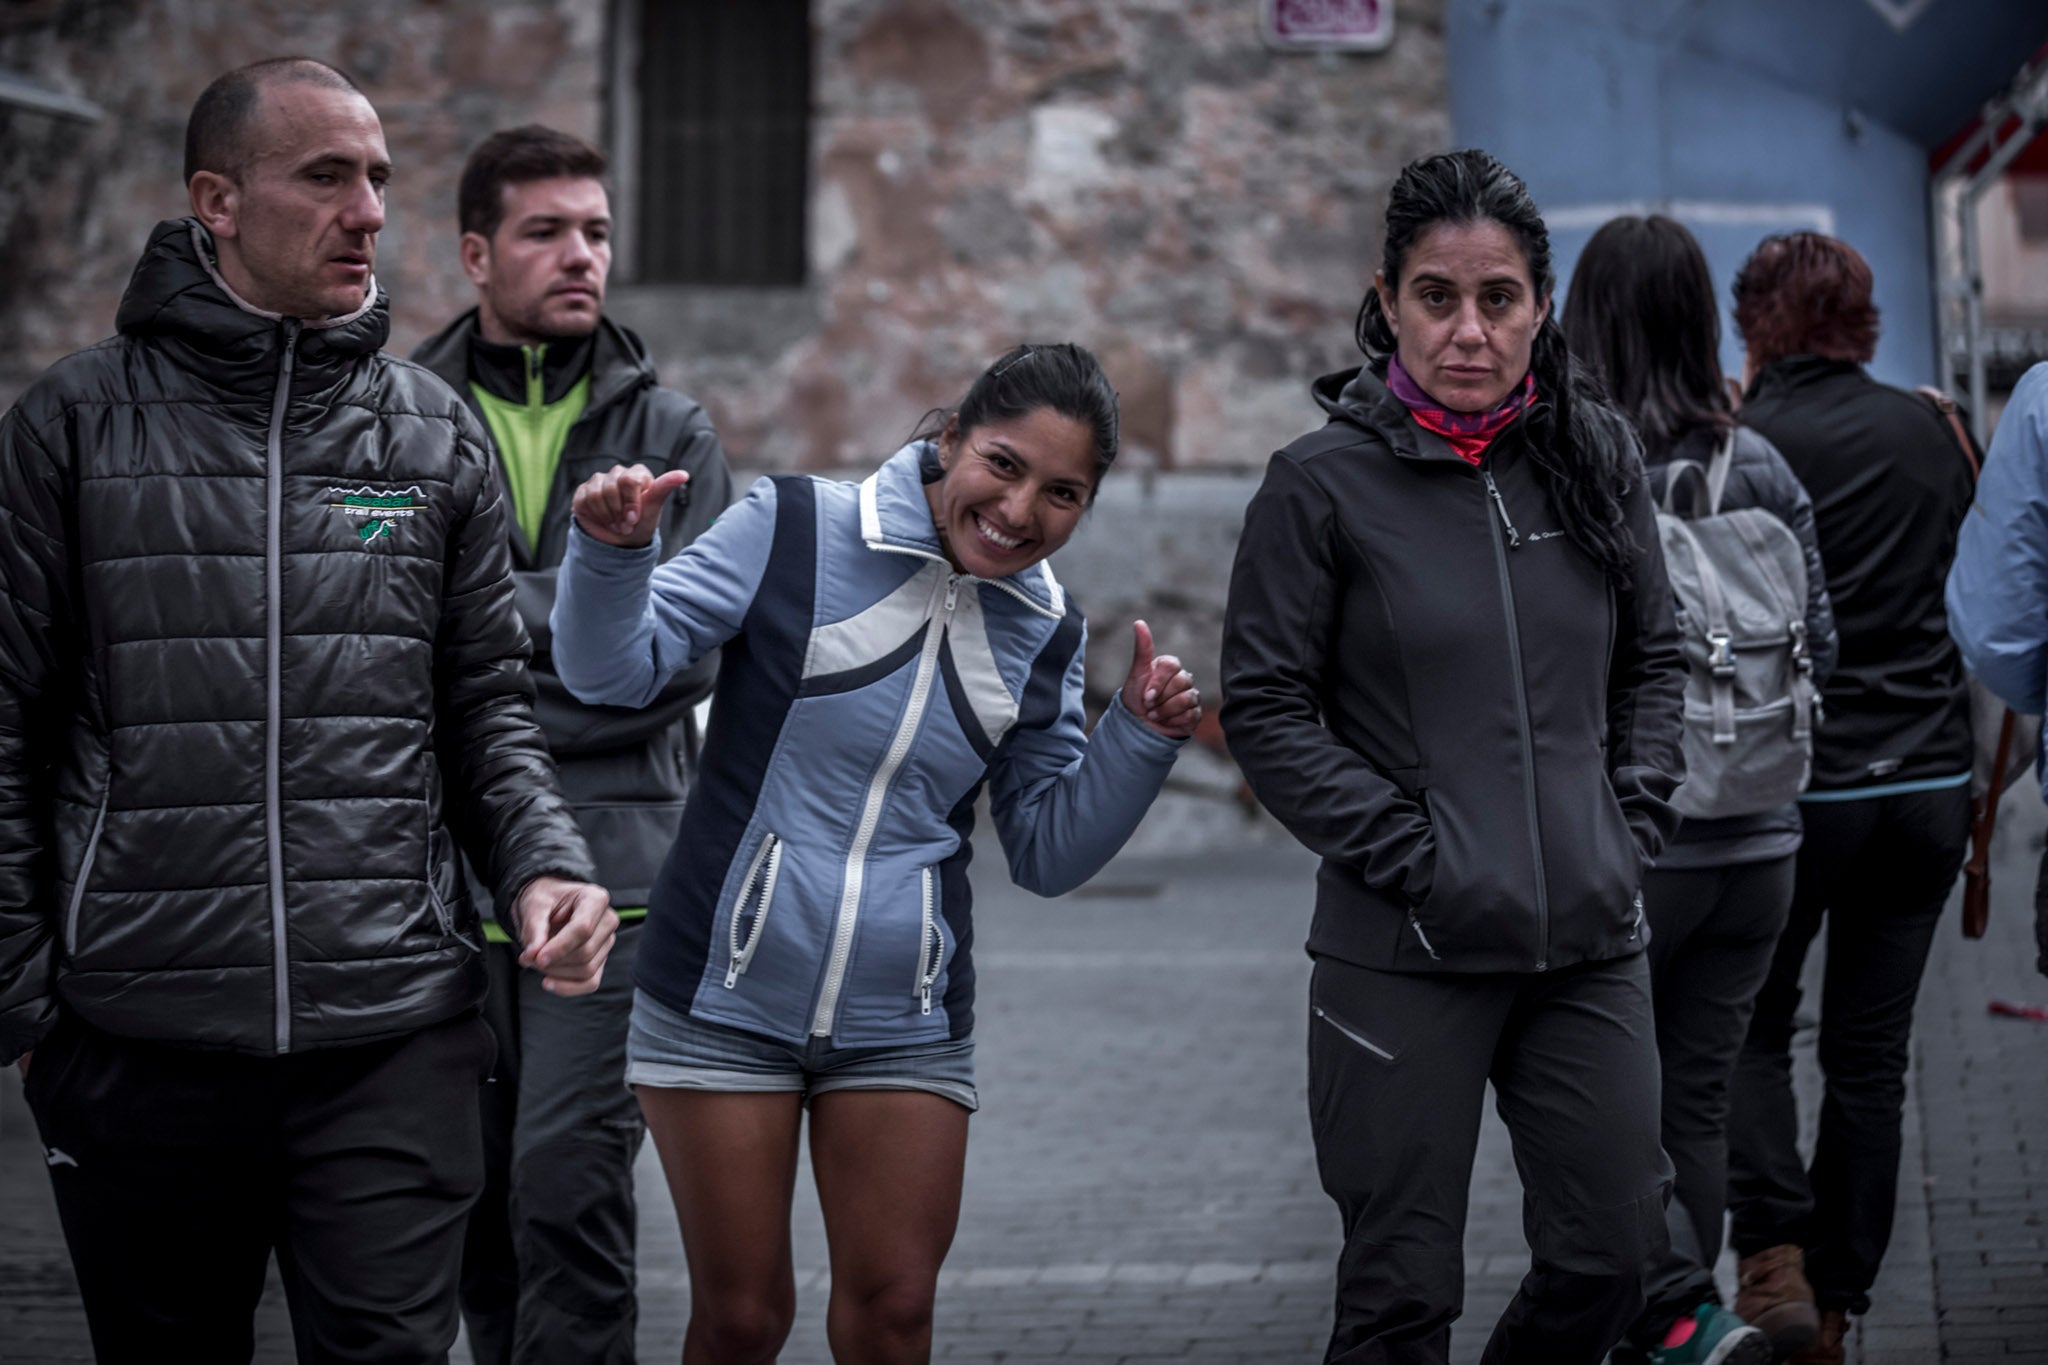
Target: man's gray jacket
[260, 674]
[623, 770]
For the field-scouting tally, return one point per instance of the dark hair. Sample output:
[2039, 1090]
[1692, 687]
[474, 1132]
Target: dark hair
[1578, 443]
[513, 156]
[1641, 316]
[1065, 378]
[217, 133]
[1803, 293]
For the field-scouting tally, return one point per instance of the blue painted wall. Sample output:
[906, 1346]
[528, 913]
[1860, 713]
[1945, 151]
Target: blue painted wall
[1741, 118]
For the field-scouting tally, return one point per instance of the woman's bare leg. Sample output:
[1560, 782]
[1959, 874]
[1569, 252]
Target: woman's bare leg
[889, 1165]
[730, 1158]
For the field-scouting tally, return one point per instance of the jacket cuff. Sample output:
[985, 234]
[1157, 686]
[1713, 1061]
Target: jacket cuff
[614, 561]
[23, 1028]
[1117, 718]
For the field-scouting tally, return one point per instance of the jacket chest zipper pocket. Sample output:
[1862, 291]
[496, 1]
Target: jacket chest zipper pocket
[92, 848]
[757, 890]
[931, 947]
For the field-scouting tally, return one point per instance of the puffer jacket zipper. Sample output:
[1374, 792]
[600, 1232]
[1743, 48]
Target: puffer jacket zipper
[762, 872]
[92, 848]
[273, 573]
[945, 595]
[1501, 545]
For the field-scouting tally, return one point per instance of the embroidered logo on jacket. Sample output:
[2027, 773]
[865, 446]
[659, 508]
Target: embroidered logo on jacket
[381, 509]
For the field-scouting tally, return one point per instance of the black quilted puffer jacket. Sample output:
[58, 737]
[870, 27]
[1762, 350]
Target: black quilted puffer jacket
[260, 672]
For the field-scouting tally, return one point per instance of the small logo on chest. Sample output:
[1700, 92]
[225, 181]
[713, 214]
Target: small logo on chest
[1534, 536]
[379, 510]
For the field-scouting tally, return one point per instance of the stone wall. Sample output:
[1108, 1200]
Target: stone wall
[77, 201]
[1143, 176]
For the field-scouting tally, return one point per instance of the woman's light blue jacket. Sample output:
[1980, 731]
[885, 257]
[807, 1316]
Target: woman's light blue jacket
[866, 693]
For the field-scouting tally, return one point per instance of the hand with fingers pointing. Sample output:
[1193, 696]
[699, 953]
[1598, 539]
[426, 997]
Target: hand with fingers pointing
[622, 506]
[1159, 691]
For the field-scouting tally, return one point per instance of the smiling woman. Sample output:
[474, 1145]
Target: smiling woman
[892, 648]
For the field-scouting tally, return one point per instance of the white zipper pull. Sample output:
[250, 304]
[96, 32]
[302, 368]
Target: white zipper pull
[925, 999]
[952, 593]
[1500, 505]
[732, 975]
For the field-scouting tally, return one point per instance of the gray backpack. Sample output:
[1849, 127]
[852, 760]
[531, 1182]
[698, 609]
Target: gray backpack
[1740, 581]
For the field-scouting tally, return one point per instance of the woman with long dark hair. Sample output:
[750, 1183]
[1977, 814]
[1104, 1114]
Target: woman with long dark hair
[1450, 668]
[890, 648]
[1641, 315]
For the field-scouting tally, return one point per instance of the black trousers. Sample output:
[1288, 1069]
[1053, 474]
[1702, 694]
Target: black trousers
[1398, 1066]
[1713, 932]
[547, 1271]
[178, 1172]
[1878, 871]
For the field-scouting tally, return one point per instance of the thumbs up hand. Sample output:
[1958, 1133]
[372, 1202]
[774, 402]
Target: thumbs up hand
[1159, 691]
[622, 506]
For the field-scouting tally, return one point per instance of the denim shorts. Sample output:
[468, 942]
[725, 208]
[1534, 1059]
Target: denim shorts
[669, 1050]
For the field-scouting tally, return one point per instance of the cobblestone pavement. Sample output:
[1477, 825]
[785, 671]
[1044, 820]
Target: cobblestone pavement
[1140, 1185]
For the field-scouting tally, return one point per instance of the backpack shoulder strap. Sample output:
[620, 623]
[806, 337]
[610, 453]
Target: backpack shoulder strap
[1674, 474]
[1717, 472]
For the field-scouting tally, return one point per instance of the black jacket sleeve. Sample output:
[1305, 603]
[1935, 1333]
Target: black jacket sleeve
[1278, 642]
[1645, 685]
[504, 801]
[34, 611]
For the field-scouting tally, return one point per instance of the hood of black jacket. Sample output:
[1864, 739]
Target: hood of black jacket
[178, 300]
[619, 363]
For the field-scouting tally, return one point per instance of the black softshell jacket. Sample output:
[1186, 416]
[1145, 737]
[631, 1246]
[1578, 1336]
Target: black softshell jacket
[260, 671]
[622, 768]
[1890, 489]
[1431, 686]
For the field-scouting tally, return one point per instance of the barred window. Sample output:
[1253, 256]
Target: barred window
[724, 141]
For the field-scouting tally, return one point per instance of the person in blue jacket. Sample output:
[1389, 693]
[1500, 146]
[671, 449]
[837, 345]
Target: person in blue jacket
[1998, 585]
[889, 649]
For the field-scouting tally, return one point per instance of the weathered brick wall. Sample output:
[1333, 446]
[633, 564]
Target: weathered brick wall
[1140, 175]
[77, 201]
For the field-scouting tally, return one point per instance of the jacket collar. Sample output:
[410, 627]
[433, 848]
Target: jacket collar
[1795, 371]
[177, 299]
[618, 359]
[1362, 399]
[895, 518]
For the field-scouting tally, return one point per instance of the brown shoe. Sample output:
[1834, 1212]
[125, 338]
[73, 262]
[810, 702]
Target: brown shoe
[1772, 1295]
[1827, 1348]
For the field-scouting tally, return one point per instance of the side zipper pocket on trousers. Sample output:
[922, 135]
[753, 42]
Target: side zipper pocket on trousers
[92, 848]
[931, 940]
[1353, 1034]
[761, 872]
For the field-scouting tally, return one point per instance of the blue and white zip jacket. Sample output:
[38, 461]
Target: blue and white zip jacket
[818, 884]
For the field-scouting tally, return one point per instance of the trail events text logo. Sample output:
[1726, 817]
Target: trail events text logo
[380, 508]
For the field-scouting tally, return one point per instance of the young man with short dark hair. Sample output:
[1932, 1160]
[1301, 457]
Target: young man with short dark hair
[566, 392]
